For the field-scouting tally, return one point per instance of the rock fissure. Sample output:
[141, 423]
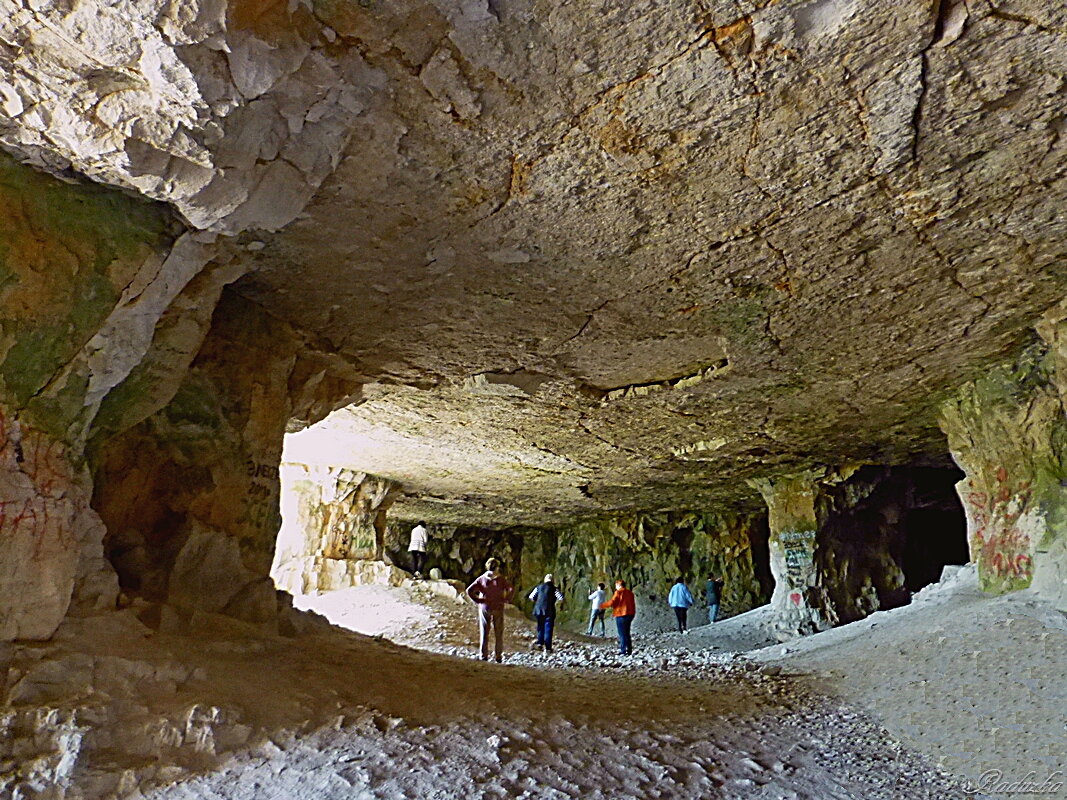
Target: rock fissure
[1008, 16]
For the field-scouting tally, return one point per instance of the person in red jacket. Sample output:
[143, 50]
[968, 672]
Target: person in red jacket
[491, 591]
[623, 608]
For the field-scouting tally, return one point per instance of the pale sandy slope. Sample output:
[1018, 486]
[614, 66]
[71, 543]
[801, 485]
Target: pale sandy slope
[976, 681]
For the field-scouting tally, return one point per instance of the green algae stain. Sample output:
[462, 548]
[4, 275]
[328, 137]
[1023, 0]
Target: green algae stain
[195, 404]
[30, 362]
[66, 253]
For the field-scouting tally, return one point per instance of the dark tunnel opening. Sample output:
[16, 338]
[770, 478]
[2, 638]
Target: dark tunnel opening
[886, 533]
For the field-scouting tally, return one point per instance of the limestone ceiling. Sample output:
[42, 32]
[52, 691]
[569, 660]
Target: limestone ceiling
[601, 254]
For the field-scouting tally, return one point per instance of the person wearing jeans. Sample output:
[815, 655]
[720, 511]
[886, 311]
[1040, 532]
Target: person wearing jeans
[624, 608]
[622, 627]
[597, 596]
[490, 591]
[545, 596]
[712, 594]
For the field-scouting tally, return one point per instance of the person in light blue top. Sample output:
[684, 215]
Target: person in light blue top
[680, 599]
[597, 596]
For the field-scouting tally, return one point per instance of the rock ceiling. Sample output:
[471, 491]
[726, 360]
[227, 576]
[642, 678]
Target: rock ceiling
[615, 254]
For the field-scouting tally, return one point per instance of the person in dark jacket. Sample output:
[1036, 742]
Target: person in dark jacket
[713, 594]
[545, 596]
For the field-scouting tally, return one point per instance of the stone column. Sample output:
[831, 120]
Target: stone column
[797, 598]
[49, 537]
[1008, 432]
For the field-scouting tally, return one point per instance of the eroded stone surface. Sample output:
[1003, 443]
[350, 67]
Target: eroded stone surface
[583, 262]
[190, 495]
[232, 112]
[1007, 430]
[648, 242]
[726, 240]
[797, 601]
[328, 515]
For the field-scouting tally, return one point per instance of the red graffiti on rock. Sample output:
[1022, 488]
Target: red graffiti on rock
[42, 497]
[999, 546]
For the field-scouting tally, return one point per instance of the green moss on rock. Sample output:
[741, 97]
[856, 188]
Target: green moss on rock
[67, 251]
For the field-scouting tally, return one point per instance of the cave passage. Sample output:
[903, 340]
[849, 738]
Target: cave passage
[889, 531]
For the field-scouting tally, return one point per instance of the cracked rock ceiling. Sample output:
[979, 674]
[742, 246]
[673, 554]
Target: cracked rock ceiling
[626, 254]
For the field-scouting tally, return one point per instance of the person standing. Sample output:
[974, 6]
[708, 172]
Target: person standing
[680, 599]
[624, 609]
[545, 596]
[712, 594]
[597, 596]
[417, 548]
[490, 591]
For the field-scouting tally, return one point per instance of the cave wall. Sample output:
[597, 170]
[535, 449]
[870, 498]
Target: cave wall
[847, 542]
[332, 518]
[69, 254]
[190, 495]
[884, 533]
[233, 114]
[649, 552]
[1007, 430]
[459, 551]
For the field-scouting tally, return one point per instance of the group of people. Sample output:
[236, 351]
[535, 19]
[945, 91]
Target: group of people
[491, 591]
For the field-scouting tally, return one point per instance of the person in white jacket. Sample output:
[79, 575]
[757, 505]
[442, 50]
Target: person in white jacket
[417, 548]
[597, 597]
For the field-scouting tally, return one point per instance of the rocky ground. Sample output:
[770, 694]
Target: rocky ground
[111, 708]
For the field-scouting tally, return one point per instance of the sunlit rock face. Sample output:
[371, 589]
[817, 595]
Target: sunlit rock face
[232, 112]
[333, 520]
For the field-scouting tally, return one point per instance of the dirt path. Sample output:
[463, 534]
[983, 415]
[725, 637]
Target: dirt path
[229, 713]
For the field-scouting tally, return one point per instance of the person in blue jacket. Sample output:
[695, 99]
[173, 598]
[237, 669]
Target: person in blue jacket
[680, 599]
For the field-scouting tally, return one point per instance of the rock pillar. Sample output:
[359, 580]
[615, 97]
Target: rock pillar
[797, 597]
[75, 261]
[190, 495]
[1007, 431]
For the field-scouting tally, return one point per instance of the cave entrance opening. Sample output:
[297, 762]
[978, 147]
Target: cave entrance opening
[887, 532]
[333, 551]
